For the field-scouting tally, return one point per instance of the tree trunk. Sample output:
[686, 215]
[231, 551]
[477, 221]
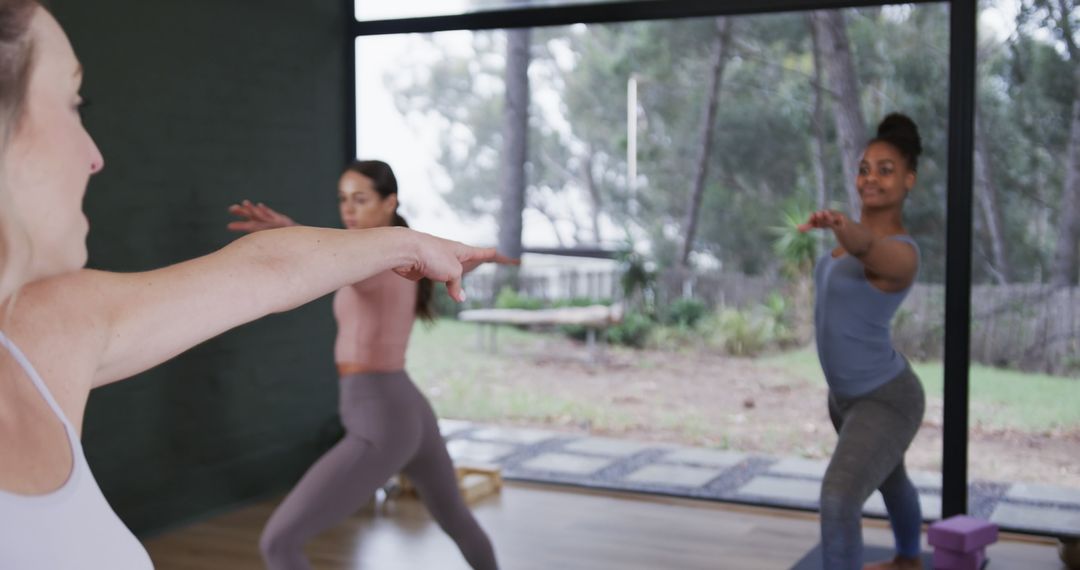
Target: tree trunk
[515, 134]
[847, 112]
[721, 43]
[986, 192]
[821, 182]
[1064, 270]
[1066, 258]
[594, 195]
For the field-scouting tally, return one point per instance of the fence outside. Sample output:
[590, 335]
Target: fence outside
[1030, 326]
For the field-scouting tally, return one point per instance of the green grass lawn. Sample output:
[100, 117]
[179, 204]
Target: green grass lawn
[999, 398]
[462, 382]
[465, 383]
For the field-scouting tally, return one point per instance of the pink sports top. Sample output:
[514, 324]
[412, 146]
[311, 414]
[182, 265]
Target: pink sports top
[71, 527]
[374, 319]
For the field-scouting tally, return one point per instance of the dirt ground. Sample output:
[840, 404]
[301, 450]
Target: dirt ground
[703, 399]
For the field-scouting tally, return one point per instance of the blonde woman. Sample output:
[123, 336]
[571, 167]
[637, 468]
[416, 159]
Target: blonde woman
[65, 330]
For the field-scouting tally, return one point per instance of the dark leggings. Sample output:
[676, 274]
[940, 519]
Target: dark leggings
[875, 430]
[389, 428]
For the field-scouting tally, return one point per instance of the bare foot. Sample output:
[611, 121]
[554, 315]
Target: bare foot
[898, 563]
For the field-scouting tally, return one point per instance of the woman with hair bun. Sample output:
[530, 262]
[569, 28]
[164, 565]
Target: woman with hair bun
[876, 402]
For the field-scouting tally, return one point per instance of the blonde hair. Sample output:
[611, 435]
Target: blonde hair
[16, 57]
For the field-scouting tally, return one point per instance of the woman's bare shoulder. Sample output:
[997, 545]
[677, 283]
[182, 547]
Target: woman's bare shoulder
[55, 305]
[56, 324]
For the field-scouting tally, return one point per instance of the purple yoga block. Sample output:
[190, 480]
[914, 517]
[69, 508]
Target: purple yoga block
[945, 559]
[962, 533]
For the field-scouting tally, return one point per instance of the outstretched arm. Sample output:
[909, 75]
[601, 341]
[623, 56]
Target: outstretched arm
[894, 261]
[255, 217]
[127, 323]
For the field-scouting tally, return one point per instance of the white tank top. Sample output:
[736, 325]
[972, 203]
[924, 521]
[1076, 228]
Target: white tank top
[71, 527]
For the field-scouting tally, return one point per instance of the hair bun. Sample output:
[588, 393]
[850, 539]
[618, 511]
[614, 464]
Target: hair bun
[900, 131]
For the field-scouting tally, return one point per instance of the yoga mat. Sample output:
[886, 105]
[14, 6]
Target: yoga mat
[812, 560]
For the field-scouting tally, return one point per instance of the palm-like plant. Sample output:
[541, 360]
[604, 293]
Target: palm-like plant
[797, 249]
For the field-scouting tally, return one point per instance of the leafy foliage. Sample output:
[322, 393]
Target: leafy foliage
[763, 155]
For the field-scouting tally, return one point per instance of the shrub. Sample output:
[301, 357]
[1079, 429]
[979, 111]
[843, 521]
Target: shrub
[508, 298]
[580, 302]
[743, 332]
[632, 331]
[442, 303]
[685, 312]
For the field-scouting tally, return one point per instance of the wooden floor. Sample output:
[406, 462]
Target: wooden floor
[549, 528]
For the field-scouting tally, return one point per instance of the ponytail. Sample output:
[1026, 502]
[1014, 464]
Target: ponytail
[385, 183]
[425, 289]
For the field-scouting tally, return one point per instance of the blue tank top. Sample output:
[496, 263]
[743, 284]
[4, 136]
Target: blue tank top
[852, 325]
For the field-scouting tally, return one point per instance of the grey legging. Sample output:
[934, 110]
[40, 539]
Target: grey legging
[875, 430]
[389, 428]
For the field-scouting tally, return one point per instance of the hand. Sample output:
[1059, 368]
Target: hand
[257, 217]
[499, 259]
[824, 219]
[445, 261]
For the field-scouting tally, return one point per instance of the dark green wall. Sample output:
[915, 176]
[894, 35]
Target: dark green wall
[195, 105]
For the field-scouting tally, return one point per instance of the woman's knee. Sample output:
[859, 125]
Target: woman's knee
[274, 542]
[840, 500]
[269, 543]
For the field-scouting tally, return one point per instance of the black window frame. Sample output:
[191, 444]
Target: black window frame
[958, 210]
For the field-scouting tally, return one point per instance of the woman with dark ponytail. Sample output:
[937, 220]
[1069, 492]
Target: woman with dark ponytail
[876, 401]
[389, 425]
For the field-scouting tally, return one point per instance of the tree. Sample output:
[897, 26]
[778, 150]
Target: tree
[986, 195]
[721, 53]
[1063, 17]
[515, 134]
[831, 30]
[770, 144]
[1066, 258]
[821, 185]
[820, 166]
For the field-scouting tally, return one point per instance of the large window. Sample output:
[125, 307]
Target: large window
[685, 149]
[1025, 314]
